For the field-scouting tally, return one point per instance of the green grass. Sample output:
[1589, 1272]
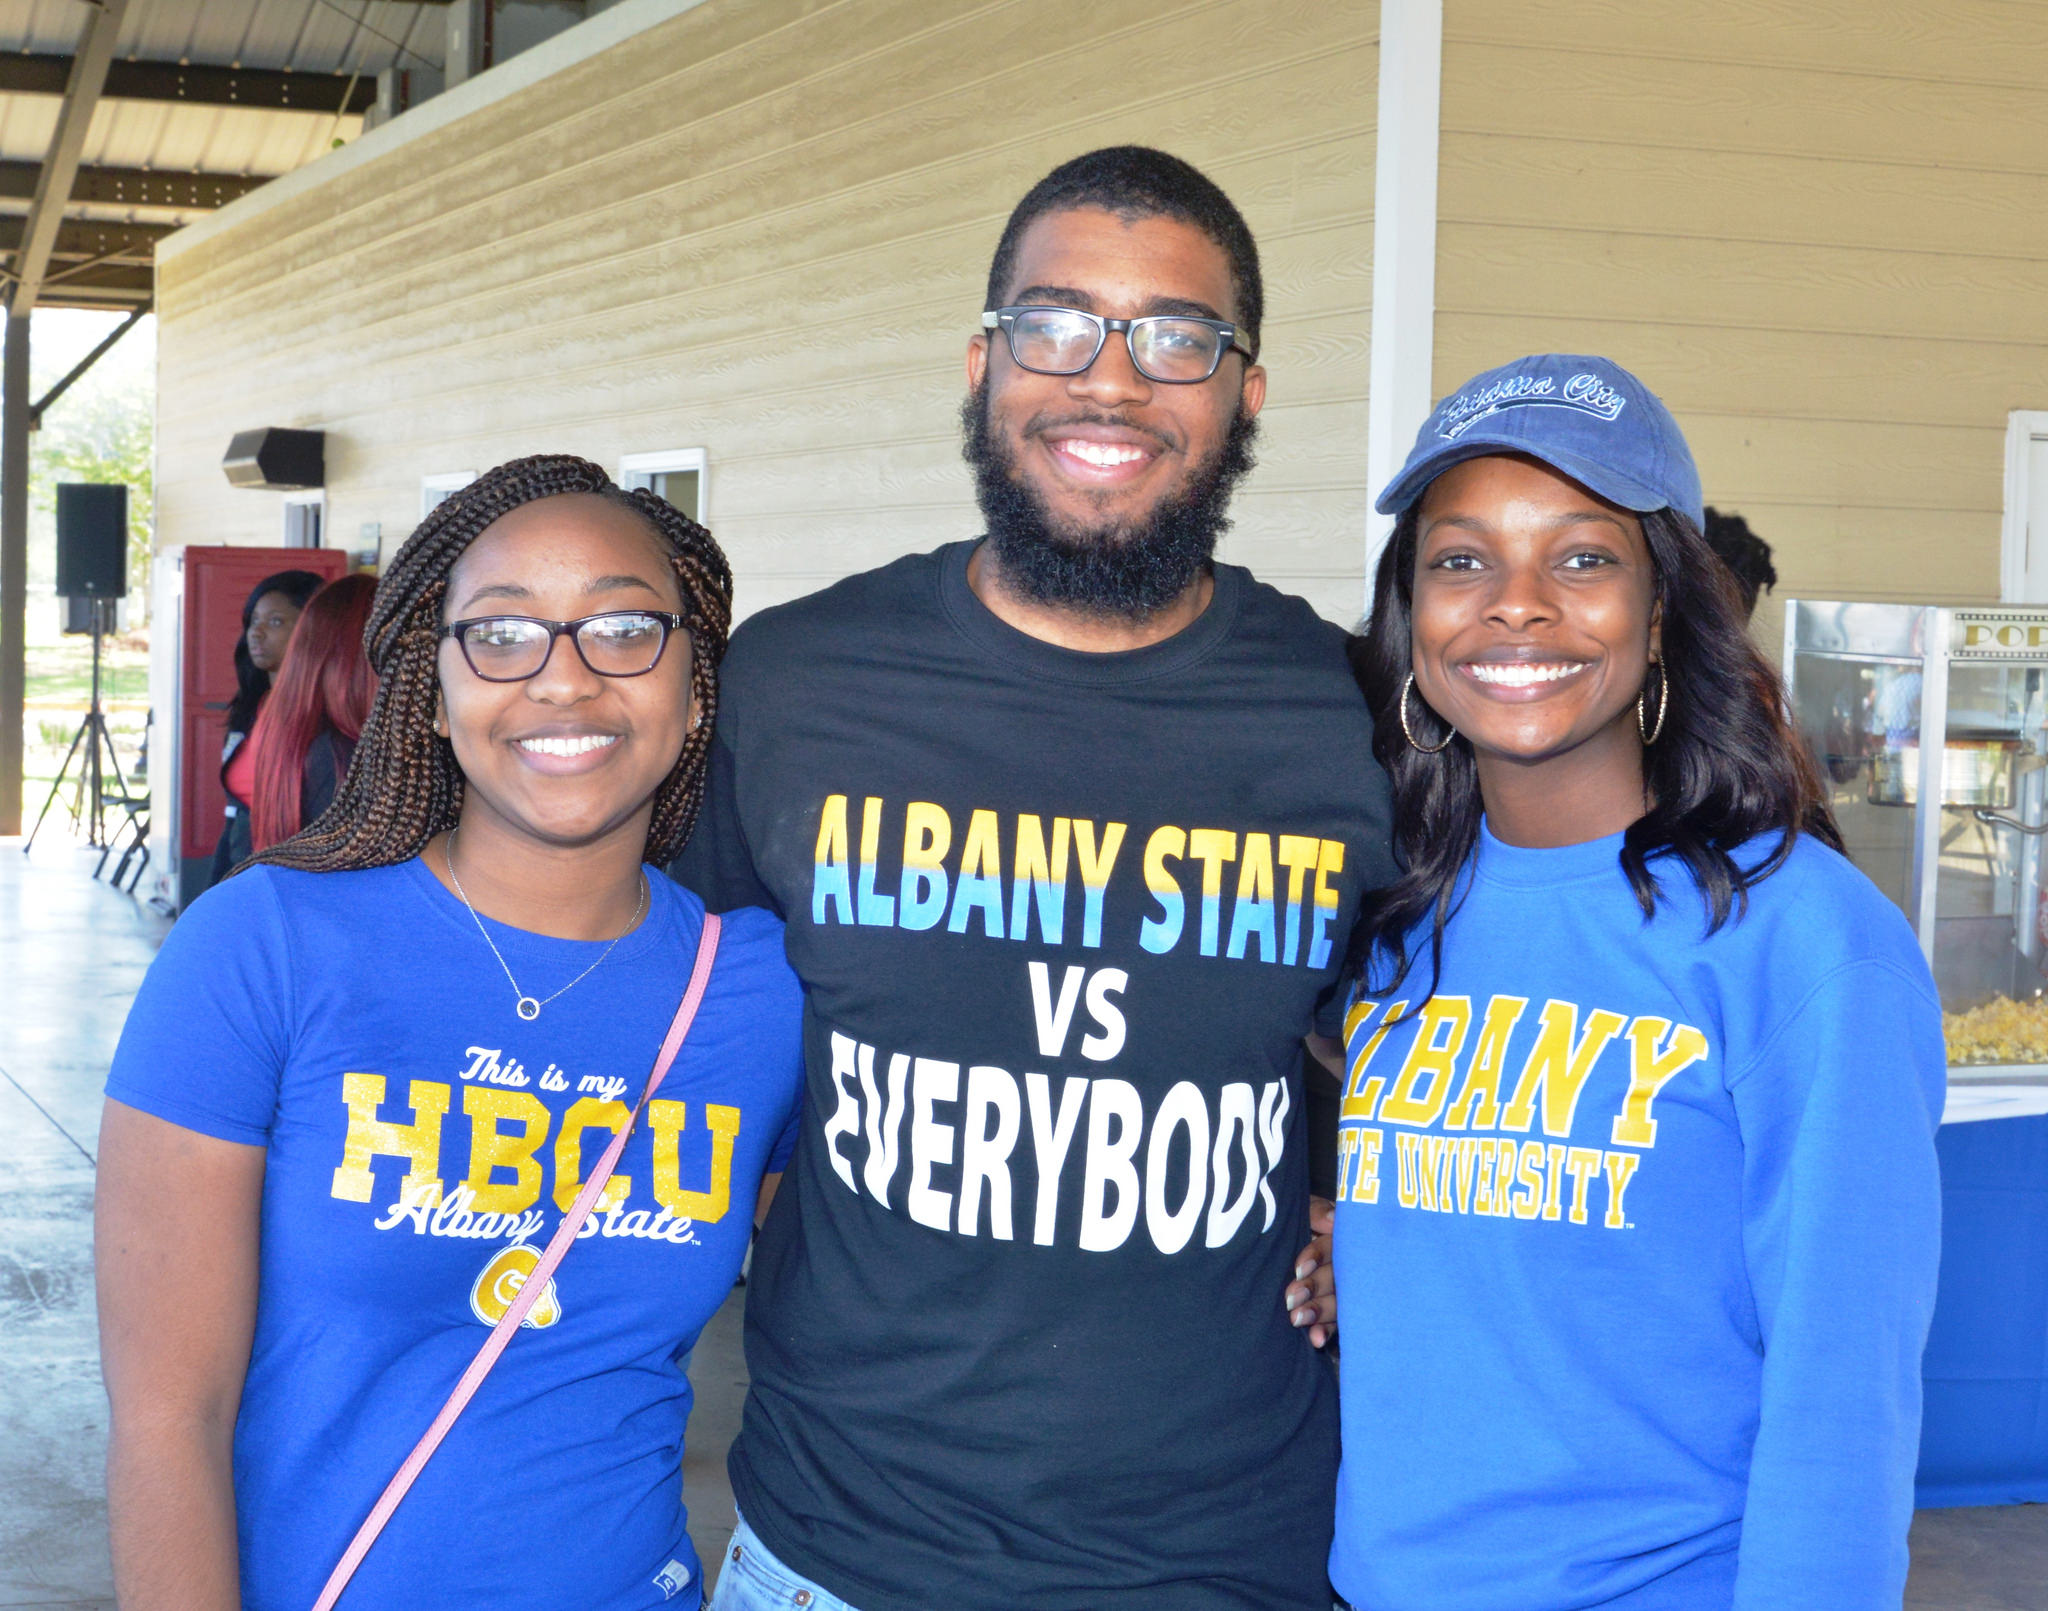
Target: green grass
[59, 689]
[63, 670]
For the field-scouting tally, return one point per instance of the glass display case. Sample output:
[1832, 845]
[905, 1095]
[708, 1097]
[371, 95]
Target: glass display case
[1928, 723]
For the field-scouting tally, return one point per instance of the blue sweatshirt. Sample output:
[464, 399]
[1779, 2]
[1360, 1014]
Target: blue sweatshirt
[1637, 1233]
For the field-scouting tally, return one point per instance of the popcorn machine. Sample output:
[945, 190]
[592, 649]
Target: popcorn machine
[1930, 724]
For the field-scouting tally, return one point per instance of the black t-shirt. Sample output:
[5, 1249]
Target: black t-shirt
[1015, 1323]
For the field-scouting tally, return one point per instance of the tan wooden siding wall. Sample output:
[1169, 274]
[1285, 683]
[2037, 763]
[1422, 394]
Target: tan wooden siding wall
[1819, 231]
[763, 229]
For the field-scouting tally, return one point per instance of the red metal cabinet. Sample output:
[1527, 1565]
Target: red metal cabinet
[217, 583]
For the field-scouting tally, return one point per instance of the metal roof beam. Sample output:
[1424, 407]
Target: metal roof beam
[107, 289]
[135, 187]
[83, 237]
[53, 184]
[39, 408]
[267, 89]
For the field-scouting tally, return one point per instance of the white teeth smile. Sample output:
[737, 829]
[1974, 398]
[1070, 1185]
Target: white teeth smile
[582, 745]
[1512, 675]
[1104, 455]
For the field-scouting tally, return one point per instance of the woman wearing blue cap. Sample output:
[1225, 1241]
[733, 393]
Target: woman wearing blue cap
[1638, 1209]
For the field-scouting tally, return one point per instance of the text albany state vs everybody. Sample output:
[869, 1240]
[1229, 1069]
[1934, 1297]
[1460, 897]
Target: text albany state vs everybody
[1192, 1166]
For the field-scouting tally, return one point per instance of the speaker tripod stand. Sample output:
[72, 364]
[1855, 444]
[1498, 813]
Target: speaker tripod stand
[89, 805]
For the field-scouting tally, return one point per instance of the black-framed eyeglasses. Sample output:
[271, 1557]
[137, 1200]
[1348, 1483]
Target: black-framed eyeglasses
[1173, 348]
[512, 648]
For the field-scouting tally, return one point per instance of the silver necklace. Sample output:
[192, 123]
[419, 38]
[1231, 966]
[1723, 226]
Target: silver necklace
[528, 1008]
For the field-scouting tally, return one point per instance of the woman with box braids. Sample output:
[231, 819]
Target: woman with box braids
[368, 1079]
[403, 785]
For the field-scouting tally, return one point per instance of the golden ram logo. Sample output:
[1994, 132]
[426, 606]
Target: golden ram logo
[501, 1282]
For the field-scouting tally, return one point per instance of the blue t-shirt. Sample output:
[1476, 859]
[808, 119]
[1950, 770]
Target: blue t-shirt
[1637, 1233]
[419, 1136]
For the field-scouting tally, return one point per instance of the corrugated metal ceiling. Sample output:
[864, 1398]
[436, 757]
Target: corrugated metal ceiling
[324, 36]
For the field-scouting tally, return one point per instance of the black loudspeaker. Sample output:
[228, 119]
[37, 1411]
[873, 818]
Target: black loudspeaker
[282, 460]
[92, 539]
[80, 614]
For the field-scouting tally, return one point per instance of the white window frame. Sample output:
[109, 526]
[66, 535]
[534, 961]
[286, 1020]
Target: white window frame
[435, 488]
[2024, 427]
[317, 498]
[633, 467]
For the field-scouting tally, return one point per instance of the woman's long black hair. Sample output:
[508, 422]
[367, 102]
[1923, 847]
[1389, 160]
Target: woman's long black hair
[251, 682]
[1726, 768]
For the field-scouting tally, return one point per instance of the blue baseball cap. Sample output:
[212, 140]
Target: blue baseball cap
[1587, 417]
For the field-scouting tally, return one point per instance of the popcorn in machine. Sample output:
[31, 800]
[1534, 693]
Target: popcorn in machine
[1928, 723]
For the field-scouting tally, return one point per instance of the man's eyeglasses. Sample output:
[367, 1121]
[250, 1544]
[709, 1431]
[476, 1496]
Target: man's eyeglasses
[1176, 349]
[511, 648]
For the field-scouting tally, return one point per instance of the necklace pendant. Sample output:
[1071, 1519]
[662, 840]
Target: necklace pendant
[529, 1009]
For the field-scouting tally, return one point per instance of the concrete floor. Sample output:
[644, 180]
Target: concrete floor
[71, 954]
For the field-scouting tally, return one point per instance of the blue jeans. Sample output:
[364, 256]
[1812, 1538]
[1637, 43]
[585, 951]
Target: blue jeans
[752, 1579]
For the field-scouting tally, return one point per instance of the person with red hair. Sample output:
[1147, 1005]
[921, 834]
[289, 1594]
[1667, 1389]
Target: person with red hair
[308, 728]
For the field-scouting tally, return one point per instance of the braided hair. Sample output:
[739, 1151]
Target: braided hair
[403, 784]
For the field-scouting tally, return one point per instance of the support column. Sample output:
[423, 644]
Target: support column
[14, 406]
[82, 88]
[1403, 246]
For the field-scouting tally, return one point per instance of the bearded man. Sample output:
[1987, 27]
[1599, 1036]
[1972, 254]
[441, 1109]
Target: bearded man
[1068, 825]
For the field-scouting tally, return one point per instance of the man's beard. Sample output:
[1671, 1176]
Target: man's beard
[1130, 570]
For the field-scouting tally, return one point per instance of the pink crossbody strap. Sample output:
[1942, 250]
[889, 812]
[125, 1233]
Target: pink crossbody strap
[529, 1293]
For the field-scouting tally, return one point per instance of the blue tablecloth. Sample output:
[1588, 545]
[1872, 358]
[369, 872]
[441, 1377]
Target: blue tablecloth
[1985, 1437]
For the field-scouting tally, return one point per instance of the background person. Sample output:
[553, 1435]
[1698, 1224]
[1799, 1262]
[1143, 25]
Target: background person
[1637, 1187]
[336, 1126]
[269, 616]
[1747, 556]
[1068, 824]
[309, 725]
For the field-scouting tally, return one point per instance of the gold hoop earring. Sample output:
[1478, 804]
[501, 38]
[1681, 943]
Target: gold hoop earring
[1427, 749]
[1652, 733]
